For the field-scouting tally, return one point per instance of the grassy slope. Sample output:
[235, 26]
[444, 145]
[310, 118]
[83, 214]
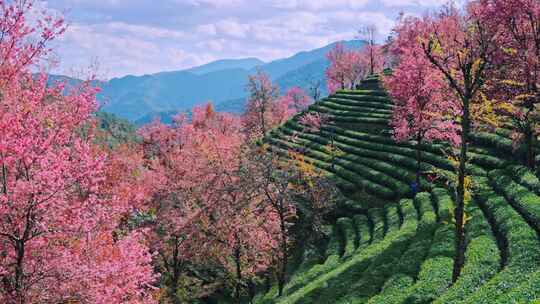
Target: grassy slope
[406, 254]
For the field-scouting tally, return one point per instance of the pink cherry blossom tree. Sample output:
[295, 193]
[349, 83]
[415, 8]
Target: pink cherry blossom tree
[517, 82]
[260, 115]
[346, 68]
[57, 214]
[266, 109]
[296, 100]
[368, 33]
[273, 179]
[464, 48]
[424, 108]
[370, 56]
[207, 212]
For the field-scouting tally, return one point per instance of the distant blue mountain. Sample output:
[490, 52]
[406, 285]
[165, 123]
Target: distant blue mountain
[226, 64]
[134, 97]
[141, 98]
[280, 67]
[69, 81]
[305, 76]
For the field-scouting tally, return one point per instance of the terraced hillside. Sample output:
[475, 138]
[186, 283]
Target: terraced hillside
[395, 248]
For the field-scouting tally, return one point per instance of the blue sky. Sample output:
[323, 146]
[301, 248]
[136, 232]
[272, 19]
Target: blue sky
[147, 36]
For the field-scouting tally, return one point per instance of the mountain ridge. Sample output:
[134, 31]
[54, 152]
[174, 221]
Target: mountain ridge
[225, 64]
[140, 98]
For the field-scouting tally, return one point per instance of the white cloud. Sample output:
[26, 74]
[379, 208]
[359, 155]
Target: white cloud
[214, 3]
[137, 37]
[318, 5]
[383, 23]
[207, 29]
[123, 53]
[212, 45]
[148, 32]
[232, 28]
[424, 3]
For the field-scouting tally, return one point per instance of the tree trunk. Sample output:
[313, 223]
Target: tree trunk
[460, 203]
[175, 268]
[20, 249]
[268, 283]
[4, 179]
[332, 159]
[251, 291]
[371, 63]
[284, 252]
[263, 122]
[238, 289]
[418, 160]
[19, 273]
[529, 142]
[332, 152]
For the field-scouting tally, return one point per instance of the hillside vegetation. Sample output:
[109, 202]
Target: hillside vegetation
[396, 247]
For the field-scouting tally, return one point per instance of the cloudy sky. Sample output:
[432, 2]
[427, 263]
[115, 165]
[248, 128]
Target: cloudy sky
[148, 36]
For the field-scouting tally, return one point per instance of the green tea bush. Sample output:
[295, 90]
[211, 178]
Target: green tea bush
[357, 107]
[482, 257]
[372, 181]
[335, 243]
[363, 235]
[522, 175]
[526, 292]
[487, 161]
[502, 145]
[344, 173]
[377, 220]
[333, 251]
[436, 271]
[392, 290]
[348, 234]
[525, 201]
[393, 220]
[409, 263]
[411, 260]
[434, 278]
[395, 165]
[523, 256]
[368, 93]
[404, 253]
[357, 140]
[371, 280]
[370, 169]
[340, 182]
[336, 282]
[373, 104]
[482, 261]
[350, 113]
[360, 120]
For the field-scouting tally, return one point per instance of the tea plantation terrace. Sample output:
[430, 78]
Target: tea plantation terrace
[391, 247]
